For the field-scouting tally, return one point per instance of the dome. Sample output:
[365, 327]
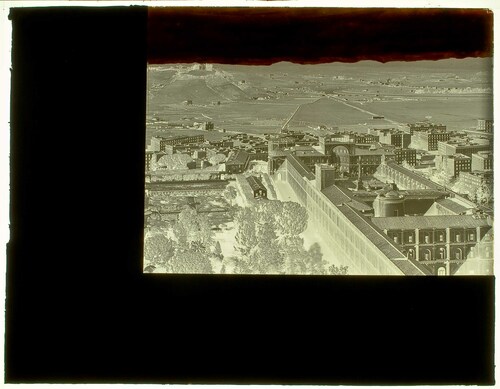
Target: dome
[393, 194]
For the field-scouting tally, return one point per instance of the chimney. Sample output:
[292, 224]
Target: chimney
[325, 176]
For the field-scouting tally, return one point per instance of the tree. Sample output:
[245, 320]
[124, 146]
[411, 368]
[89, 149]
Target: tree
[216, 159]
[484, 194]
[294, 255]
[338, 270]
[234, 265]
[246, 237]
[158, 249]
[230, 194]
[189, 261]
[315, 263]
[192, 227]
[266, 259]
[293, 218]
[266, 233]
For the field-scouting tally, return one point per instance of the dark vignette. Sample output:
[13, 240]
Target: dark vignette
[79, 309]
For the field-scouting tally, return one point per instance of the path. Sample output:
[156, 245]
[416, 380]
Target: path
[363, 110]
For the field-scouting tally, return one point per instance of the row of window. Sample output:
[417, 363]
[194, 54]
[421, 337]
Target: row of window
[427, 238]
[427, 255]
[354, 246]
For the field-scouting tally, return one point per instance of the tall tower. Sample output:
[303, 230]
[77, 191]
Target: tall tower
[325, 175]
[359, 181]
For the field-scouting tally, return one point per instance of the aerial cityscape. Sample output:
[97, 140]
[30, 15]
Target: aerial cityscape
[332, 169]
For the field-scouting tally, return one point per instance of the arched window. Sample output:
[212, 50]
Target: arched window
[410, 239]
[458, 254]
[427, 238]
[411, 254]
[427, 255]
[441, 271]
[442, 253]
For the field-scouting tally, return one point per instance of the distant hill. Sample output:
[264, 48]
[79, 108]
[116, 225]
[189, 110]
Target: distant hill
[444, 65]
[175, 85]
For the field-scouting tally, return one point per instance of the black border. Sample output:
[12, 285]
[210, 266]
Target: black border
[79, 309]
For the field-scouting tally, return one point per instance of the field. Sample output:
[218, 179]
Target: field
[330, 112]
[456, 112]
[261, 99]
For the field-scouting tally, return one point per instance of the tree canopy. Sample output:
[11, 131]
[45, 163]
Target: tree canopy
[269, 242]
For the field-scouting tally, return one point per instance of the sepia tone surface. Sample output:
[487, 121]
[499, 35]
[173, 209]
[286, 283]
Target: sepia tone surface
[340, 168]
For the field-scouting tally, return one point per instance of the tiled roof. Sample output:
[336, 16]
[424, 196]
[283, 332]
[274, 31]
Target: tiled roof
[423, 193]
[410, 268]
[414, 176]
[412, 222]
[336, 195]
[308, 153]
[371, 232]
[255, 183]
[239, 158]
[452, 206]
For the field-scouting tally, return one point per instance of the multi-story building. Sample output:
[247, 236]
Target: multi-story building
[393, 137]
[470, 182]
[403, 178]
[360, 245]
[485, 125]
[159, 143]
[428, 140]
[309, 156]
[442, 243]
[237, 162]
[481, 161]
[461, 147]
[405, 155]
[367, 159]
[364, 138]
[411, 245]
[348, 155]
[149, 157]
[280, 142]
[336, 144]
[199, 154]
[172, 149]
[454, 164]
[425, 126]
